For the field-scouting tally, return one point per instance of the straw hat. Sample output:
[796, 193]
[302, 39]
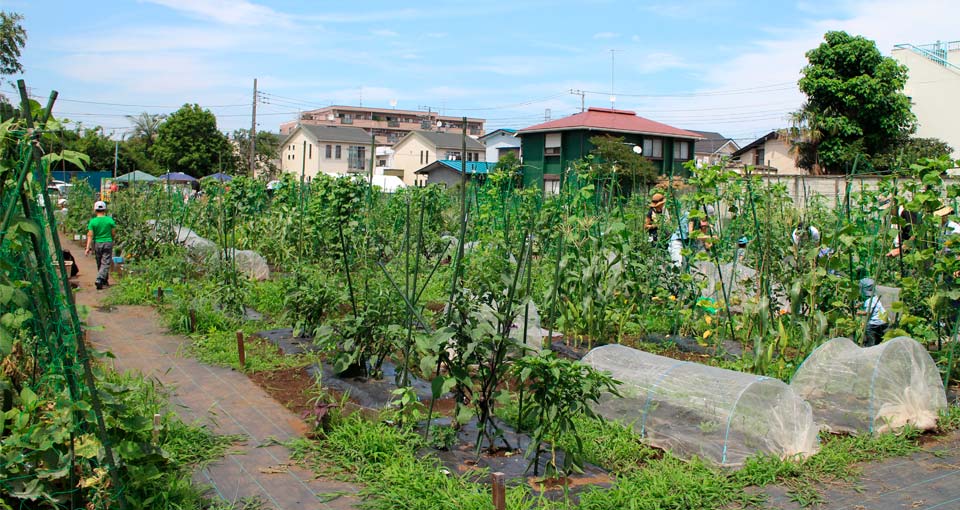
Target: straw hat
[657, 200]
[943, 211]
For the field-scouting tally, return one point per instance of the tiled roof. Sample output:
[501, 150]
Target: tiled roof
[473, 167]
[503, 130]
[337, 134]
[606, 119]
[711, 142]
[756, 143]
[450, 140]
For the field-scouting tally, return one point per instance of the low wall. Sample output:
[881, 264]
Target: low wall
[803, 188]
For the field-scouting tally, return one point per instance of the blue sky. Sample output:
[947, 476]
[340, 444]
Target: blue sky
[722, 65]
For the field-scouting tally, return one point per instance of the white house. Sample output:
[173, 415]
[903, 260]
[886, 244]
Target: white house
[325, 149]
[500, 142]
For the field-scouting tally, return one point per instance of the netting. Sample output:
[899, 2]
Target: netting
[697, 410]
[52, 433]
[249, 262]
[874, 389]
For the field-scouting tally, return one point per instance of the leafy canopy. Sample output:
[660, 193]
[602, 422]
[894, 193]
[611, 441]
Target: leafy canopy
[189, 142]
[855, 103]
[12, 39]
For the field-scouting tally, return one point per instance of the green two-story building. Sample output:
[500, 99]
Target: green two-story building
[550, 148]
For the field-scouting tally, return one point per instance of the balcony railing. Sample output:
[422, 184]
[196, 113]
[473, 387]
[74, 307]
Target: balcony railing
[346, 120]
[393, 123]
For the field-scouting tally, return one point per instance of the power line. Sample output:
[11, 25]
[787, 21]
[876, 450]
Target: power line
[773, 87]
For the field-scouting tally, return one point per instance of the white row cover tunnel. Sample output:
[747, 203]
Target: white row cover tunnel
[690, 409]
[874, 389]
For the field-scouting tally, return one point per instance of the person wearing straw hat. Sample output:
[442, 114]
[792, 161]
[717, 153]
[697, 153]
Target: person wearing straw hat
[101, 233]
[949, 227]
[655, 214]
[872, 308]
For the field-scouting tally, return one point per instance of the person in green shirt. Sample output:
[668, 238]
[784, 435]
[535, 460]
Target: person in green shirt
[101, 233]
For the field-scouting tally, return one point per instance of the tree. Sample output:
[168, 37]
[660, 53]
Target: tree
[189, 142]
[12, 39]
[619, 158]
[268, 150]
[99, 148]
[855, 103]
[146, 126]
[906, 151]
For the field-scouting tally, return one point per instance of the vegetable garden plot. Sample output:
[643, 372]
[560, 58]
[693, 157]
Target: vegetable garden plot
[874, 389]
[691, 409]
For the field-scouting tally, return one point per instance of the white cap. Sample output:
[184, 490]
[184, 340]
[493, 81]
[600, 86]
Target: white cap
[100, 205]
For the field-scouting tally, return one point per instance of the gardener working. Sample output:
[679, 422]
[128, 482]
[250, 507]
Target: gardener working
[652, 221]
[101, 232]
[872, 307]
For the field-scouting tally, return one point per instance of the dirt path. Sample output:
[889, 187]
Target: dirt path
[224, 399]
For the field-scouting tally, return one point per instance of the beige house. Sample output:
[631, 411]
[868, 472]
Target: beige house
[325, 149]
[712, 148]
[769, 153]
[388, 124]
[933, 85]
[420, 148]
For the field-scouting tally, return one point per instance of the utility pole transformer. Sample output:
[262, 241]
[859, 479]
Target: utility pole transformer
[253, 132]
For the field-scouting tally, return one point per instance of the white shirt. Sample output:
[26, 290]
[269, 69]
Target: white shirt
[874, 308]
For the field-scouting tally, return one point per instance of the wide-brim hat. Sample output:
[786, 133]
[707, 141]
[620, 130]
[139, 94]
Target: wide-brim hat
[657, 200]
[943, 211]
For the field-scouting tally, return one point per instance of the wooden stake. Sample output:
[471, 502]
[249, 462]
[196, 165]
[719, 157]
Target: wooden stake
[159, 295]
[193, 320]
[498, 483]
[243, 357]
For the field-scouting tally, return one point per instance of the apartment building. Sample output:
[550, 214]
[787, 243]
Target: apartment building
[389, 125]
[933, 85]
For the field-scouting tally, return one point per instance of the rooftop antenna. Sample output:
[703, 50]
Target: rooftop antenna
[393, 103]
[361, 95]
[546, 114]
[613, 98]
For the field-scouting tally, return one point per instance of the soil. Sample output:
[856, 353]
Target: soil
[289, 386]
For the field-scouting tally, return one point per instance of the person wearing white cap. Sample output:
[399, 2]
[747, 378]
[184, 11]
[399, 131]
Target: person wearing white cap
[872, 307]
[101, 233]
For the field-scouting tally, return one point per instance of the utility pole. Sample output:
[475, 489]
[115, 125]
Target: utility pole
[116, 153]
[253, 132]
[583, 96]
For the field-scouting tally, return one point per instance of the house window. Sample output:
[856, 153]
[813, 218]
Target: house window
[427, 160]
[310, 152]
[338, 152]
[421, 157]
[653, 148]
[356, 158]
[329, 152]
[551, 146]
[681, 150]
[455, 156]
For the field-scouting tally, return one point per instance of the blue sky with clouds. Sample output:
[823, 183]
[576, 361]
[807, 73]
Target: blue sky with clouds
[722, 65]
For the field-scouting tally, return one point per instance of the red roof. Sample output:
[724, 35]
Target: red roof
[607, 119]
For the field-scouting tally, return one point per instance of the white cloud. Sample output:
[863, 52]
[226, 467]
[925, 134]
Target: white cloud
[228, 12]
[606, 35]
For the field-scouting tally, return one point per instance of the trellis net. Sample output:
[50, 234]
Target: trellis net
[54, 451]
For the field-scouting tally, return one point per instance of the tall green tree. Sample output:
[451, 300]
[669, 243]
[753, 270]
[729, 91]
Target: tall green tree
[855, 104]
[189, 142]
[12, 39]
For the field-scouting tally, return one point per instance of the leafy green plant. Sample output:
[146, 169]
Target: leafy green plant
[559, 391]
